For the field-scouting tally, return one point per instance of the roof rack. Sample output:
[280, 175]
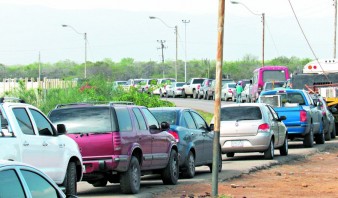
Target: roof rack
[121, 102]
[93, 103]
[11, 99]
[71, 104]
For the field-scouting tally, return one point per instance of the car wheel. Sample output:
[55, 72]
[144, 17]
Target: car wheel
[70, 180]
[130, 180]
[220, 165]
[183, 94]
[308, 139]
[100, 183]
[230, 154]
[327, 134]
[194, 94]
[284, 150]
[190, 166]
[334, 133]
[167, 95]
[270, 152]
[170, 173]
[174, 95]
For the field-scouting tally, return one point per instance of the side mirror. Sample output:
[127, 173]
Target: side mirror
[333, 110]
[165, 126]
[212, 127]
[282, 118]
[61, 128]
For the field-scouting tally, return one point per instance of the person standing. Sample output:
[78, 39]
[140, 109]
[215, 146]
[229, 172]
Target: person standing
[239, 90]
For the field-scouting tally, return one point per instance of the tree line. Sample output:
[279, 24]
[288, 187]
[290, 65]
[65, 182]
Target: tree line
[128, 68]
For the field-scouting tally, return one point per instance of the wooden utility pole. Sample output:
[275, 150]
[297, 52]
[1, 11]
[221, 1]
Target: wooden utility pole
[217, 109]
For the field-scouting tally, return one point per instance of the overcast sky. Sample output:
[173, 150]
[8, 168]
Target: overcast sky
[121, 28]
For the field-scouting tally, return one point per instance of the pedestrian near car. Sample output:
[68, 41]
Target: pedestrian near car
[239, 90]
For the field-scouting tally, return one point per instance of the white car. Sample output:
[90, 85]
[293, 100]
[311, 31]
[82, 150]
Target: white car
[252, 127]
[246, 93]
[175, 89]
[28, 136]
[228, 90]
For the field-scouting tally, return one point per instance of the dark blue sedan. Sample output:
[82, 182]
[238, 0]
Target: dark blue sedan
[193, 136]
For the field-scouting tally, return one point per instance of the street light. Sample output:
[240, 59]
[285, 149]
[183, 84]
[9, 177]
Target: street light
[85, 39]
[185, 48]
[263, 22]
[153, 17]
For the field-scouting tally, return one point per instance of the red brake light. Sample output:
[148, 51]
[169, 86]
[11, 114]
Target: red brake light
[230, 91]
[314, 67]
[303, 117]
[264, 127]
[198, 86]
[175, 134]
[179, 88]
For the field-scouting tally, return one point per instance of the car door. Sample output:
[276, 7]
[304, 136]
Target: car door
[53, 146]
[206, 135]
[272, 122]
[143, 138]
[280, 126]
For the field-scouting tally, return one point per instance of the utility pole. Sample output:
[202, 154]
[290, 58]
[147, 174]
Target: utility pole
[185, 48]
[162, 47]
[263, 39]
[39, 67]
[335, 28]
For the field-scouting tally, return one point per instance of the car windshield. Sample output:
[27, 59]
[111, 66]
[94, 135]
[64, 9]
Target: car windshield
[240, 113]
[165, 116]
[84, 120]
[179, 84]
[121, 83]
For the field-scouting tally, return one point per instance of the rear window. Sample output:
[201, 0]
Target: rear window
[240, 113]
[198, 81]
[270, 86]
[165, 116]
[180, 84]
[84, 120]
[232, 85]
[271, 75]
[291, 98]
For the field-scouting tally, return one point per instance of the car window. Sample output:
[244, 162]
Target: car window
[201, 124]
[296, 98]
[140, 120]
[24, 122]
[189, 120]
[124, 119]
[165, 116]
[10, 185]
[240, 113]
[273, 112]
[39, 186]
[44, 127]
[84, 120]
[150, 118]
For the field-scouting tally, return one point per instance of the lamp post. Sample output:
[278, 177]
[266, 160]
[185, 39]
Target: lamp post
[176, 35]
[263, 22]
[185, 48]
[85, 39]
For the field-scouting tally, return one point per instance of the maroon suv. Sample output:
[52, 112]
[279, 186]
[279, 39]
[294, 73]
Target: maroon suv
[119, 143]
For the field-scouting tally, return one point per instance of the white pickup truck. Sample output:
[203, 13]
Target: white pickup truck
[28, 136]
[191, 87]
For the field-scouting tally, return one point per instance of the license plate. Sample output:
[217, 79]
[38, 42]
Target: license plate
[236, 143]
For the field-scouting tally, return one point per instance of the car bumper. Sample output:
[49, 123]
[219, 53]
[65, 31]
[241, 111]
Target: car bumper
[117, 163]
[257, 143]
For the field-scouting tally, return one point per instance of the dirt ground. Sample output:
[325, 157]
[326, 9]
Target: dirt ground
[316, 176]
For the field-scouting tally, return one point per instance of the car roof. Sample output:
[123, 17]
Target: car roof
[244, 105]
[171, 108]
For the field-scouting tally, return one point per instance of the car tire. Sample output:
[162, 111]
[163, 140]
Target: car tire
[230, 154]
[170, 173]
[270, 152]
[100, 183]
[334, 133]
[308, 139]
[174, 95]
[320, 138]
[194, 94]
[327, 135]
[131, 179]
[70, 180]
[183, 94]
[190, 166]
[220, 165]
[284, 150]
[167, 95]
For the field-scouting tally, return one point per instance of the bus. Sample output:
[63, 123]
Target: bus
[267, 74]
[321, 66]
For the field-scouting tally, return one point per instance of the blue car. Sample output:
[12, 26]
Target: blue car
[193, 135]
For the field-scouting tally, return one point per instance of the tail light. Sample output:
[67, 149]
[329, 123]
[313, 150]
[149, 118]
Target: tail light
[179, 89]
[303, 117]
[264, 127]
[175, 134]
[259, 88]
[198, 87]
[117, 143]
[230, 91]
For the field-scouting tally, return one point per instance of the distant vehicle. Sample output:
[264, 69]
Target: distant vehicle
[243, 82]
[245, 95]
[228, 90]
[191, 87]
[211, 91]
[322, 66]
[146, 85]
[202, 92]
[119, 143]
[252, 127]
[272, 85]
[131, 83]
[118, 83]
[161, 86]
[193, 135]
[329, 121]
[23, 180]
[174, 89]
[266, 74]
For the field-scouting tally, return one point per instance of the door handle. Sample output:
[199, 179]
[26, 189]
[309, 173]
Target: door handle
[44, 144]
[192, 133]
[26, 143]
